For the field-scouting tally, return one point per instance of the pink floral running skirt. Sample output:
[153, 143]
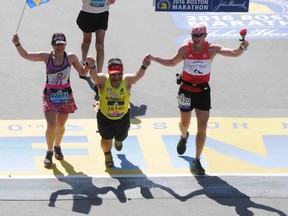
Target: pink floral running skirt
[68, 106]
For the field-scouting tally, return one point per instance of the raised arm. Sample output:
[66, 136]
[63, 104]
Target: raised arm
[32, 56]
[82, 70]
[133, 78]
[218, 49]
[98, 78]
[180, 56]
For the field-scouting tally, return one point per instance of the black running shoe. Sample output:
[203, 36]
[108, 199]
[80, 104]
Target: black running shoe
[197, 167]
[48, 159]
[109, 160]
[181, 147]
[118, 145]
[58, 153]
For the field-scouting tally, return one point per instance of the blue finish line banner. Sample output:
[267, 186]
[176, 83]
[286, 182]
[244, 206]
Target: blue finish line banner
[202, 5]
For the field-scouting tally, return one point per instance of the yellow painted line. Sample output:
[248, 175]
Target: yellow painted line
[234, 146]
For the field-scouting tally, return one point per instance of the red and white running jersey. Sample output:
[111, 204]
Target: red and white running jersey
[196, 68]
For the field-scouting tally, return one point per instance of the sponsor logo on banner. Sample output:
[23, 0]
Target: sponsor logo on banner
[267, 19]
[203, 5]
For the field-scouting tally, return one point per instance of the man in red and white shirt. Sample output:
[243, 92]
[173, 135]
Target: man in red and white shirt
[194, 92]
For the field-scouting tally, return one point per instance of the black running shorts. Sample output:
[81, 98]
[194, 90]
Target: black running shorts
[110, 129]
[187, 101]
[90, 22]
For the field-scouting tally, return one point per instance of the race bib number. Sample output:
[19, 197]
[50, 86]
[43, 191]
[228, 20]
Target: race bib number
[183, 102]
[97, 3]
[115, 111]
[59, 97]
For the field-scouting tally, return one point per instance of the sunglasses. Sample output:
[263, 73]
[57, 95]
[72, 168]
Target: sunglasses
[197, 35]
[117, 74]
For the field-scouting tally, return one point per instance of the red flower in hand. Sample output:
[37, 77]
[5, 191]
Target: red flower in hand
[243, 33]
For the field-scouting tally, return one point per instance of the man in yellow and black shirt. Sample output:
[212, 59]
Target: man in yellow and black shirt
[114, 94]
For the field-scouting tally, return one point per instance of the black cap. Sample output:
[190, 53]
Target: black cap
[58, 38]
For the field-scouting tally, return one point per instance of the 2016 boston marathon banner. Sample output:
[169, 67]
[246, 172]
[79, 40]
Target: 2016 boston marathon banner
[266, 19]
[202, 5]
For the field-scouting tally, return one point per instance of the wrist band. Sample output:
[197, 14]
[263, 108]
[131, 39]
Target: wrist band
[93, 67]
[17, 44]
[143, 67]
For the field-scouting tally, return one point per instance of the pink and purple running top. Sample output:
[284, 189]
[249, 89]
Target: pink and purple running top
[57, 94]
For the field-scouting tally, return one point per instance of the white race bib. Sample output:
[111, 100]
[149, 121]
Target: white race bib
[97, 3]
[59, 97]
[183, 102]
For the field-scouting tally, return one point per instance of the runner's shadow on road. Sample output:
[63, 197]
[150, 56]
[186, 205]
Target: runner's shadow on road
[84, 192]
[92, 86]
[90, 82]
[136, 111]
[139, 180]
[225, 194]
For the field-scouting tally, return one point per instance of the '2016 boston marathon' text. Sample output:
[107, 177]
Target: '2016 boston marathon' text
[202, 5]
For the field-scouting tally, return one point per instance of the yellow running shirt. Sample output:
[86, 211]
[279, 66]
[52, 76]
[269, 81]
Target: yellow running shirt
[114, 103]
